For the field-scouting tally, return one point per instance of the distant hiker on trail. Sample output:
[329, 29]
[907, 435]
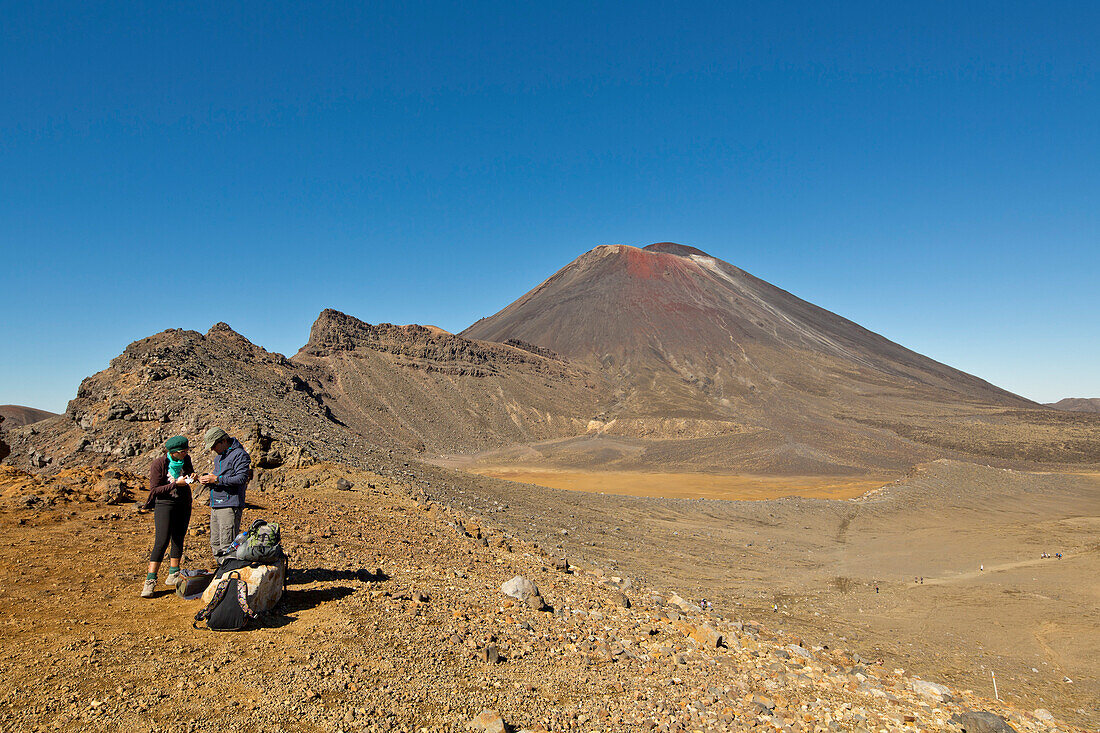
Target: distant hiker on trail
[227, 487]
[170, 479]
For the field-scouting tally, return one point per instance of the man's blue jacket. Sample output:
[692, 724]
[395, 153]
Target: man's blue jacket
[231, 468]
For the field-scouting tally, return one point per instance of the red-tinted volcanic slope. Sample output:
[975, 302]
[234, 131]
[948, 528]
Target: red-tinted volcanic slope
[674, 308]
[19, 415]
[695, 348]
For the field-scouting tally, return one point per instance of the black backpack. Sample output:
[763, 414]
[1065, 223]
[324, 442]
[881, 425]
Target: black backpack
[228, 610]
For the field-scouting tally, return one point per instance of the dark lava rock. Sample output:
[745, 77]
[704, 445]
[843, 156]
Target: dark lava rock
[982, 722]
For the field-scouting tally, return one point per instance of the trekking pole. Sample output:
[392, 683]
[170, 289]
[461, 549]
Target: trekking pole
[994, 684]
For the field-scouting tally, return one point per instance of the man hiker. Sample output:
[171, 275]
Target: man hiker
[227, 486]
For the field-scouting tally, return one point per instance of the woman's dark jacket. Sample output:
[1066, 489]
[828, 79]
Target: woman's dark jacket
[161, 490]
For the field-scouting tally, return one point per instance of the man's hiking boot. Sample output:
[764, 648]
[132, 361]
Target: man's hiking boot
[149, 587]
[173, 578]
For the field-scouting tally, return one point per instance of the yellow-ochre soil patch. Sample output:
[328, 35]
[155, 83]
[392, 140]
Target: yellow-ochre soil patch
[690, 485]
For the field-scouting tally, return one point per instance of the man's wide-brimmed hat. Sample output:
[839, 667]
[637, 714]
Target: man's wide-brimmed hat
[213, 435]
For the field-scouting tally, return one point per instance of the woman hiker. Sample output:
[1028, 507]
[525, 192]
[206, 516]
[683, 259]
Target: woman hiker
[170, 479]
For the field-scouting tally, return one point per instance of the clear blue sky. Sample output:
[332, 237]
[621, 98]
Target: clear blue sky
[929, 170]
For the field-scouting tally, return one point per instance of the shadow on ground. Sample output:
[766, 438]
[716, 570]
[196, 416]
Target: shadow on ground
[299, 576]
[295, 601]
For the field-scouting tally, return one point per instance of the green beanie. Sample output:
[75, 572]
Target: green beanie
[175, 443]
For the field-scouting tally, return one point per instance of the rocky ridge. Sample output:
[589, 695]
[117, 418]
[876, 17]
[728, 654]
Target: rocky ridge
[425, 390]
[183, 382]
[356, 392]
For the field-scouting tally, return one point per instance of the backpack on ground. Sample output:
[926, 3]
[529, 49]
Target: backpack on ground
[191, 584]
[261, 543]
[228, 610]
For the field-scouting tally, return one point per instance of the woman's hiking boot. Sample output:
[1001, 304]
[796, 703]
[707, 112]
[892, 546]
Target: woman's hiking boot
[149, 587]
[172, 578]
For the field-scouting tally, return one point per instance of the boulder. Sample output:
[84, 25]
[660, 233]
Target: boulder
[930, 690]
[520, 588]
[704, 635]
[982, 722]
[799, 651]
[112, 490]
[524, 590]
[683, 605]
[265, 586]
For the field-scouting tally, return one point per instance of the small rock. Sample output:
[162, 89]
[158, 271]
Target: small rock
[706, 636]
[487, 721]
[343, 484]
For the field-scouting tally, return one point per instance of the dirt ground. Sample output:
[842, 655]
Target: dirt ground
[355, 646]
[690, 485]
[814, 565]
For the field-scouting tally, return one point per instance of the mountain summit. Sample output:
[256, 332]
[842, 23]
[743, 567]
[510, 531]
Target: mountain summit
[685, 335]
[675, 309]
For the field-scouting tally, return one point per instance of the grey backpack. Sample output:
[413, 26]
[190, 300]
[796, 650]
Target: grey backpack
[261, 544]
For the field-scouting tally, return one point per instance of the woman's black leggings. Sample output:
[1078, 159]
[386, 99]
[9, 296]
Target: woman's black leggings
[171, 522]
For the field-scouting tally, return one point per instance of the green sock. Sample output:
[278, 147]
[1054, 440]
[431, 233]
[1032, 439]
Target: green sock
[150, 576]
[173, 571]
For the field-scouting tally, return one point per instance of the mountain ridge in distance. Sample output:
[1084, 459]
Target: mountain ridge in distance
[654, 359]
[21, 415]
[1076, 404]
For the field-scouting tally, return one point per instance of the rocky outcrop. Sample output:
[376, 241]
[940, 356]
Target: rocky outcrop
[422, 347]
[184, 382]
[422, 388]
[265, 586]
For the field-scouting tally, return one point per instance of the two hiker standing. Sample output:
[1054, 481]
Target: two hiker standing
[170, 479]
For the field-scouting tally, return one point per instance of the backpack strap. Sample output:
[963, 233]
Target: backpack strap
[242, 599]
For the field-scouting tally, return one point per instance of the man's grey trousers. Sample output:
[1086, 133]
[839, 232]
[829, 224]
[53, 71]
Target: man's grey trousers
[225, 524]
